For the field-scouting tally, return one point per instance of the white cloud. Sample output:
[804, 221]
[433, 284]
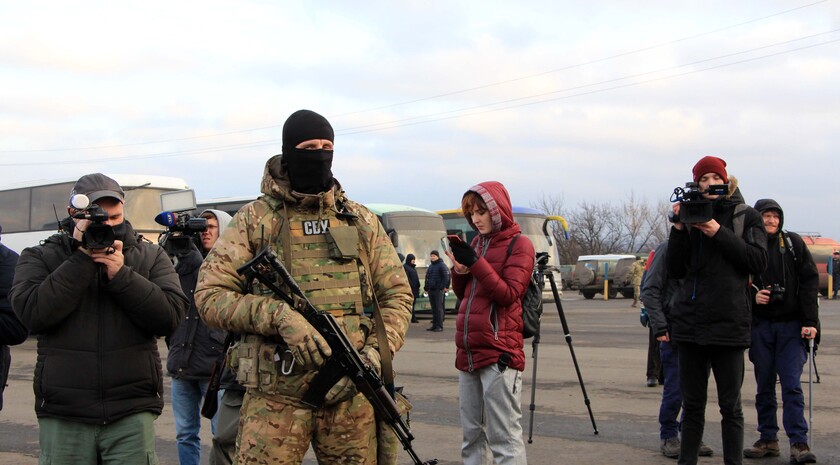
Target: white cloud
[194, 77]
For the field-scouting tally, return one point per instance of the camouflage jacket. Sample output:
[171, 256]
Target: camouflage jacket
[221, 294]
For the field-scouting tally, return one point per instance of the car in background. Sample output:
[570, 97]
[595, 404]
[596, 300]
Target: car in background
[590, 270]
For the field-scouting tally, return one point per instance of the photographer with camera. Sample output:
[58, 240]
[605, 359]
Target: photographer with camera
[97, 309]
[785, 315]
[193, 347]
[710, 317]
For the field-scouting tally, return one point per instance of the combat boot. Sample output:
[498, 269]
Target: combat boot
[801, 453]
[764, 448]
[670, 447]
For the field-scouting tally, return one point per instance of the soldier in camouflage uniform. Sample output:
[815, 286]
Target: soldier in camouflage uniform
[343, 259]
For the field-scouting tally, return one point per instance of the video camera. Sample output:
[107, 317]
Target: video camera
[98, 235]
[182, 229]
[694, 208]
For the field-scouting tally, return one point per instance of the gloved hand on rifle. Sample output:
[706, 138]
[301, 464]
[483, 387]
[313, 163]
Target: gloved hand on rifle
[345, 388]
[464, 253]
[307, 346]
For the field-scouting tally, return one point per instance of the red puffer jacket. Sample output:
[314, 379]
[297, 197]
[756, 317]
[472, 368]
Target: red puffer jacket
[490, 316]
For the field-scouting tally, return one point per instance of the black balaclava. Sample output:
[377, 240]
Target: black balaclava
[310, 171]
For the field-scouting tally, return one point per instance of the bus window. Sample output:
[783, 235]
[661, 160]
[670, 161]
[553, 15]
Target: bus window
[47, 203]
[14, 210]
[29, 212]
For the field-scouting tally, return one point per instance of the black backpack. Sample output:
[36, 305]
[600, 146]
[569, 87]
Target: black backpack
[532, 304]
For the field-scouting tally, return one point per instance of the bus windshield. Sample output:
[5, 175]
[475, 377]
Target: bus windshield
[417, 235]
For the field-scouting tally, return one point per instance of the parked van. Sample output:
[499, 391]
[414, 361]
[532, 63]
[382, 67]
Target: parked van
[589, 275]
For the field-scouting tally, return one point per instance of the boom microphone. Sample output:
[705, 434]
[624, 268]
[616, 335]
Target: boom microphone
[167, 219]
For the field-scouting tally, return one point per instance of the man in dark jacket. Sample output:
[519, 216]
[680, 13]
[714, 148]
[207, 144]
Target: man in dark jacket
[710, 318]
[97, 310]
[834, 262]
[413, 281]
[193, 347]
[437, 284]
[658, 291]
[12, 331]
[785, 314]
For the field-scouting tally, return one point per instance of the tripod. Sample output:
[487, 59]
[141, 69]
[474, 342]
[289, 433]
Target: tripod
[544, 272]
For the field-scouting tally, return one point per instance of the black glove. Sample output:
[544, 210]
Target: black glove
[463, 253]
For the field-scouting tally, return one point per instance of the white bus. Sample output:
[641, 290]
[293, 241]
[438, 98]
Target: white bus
[30, 212]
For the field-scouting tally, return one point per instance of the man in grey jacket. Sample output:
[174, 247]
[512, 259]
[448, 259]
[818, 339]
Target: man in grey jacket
[97, 296]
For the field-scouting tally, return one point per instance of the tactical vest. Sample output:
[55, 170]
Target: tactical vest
[323, 257]
[322, 254]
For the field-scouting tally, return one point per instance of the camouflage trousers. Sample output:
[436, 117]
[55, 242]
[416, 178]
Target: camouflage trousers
[279, 433]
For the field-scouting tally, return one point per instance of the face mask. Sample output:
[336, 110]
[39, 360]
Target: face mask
[309, 170]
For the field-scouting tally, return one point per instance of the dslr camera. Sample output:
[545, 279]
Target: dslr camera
[98, 235]
[182, 229]
[777, 293]
[694, 208]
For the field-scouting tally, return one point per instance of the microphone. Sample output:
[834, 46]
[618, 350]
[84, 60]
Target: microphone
[167, 219]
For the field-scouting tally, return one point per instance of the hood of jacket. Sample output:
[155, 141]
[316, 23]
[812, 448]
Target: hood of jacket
[498, 203]
[275, 184]
[769, 204]
[221, 217]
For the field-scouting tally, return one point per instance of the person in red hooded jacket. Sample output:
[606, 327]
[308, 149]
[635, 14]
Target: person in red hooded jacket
[490, 283]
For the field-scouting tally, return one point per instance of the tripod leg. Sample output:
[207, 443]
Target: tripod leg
[568, 336]
[532, 406]
[810, 393]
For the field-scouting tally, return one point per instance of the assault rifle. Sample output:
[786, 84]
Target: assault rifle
[344, 361]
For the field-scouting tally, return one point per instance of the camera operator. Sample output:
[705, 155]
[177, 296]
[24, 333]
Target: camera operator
[710, 317]
[193, 347]
[784, 313]
[97, 313]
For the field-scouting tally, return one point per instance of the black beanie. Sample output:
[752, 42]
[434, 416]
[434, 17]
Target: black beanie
[304, 125]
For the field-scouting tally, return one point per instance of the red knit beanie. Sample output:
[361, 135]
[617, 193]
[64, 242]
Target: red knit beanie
[709, 164]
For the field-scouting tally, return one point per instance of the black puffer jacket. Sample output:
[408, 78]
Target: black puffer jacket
[12, 330]
[712, 306]
[97, 339]
[193, 347]
[791, 266]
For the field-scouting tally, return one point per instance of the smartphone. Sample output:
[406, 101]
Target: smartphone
[454, 238]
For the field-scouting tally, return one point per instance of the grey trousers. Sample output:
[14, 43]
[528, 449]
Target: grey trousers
[491, 411]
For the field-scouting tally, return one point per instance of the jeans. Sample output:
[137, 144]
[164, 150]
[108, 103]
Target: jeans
[187, 396]
[436, 299]
[669, 409]
[778, 348]
[491, 410]
[727, 364]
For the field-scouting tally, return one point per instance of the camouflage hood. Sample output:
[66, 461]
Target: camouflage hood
[275, 184]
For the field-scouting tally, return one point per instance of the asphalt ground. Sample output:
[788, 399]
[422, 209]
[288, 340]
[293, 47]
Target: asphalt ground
[610, 347]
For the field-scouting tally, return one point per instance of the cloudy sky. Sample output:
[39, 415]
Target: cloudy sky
[591, 101]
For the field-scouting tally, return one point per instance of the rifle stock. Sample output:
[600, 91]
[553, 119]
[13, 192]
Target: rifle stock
[345, 359]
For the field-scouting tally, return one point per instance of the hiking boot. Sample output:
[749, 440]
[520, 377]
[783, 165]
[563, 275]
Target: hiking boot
[670, 447]
[705, 451]
[764, 448]
[801, 453]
